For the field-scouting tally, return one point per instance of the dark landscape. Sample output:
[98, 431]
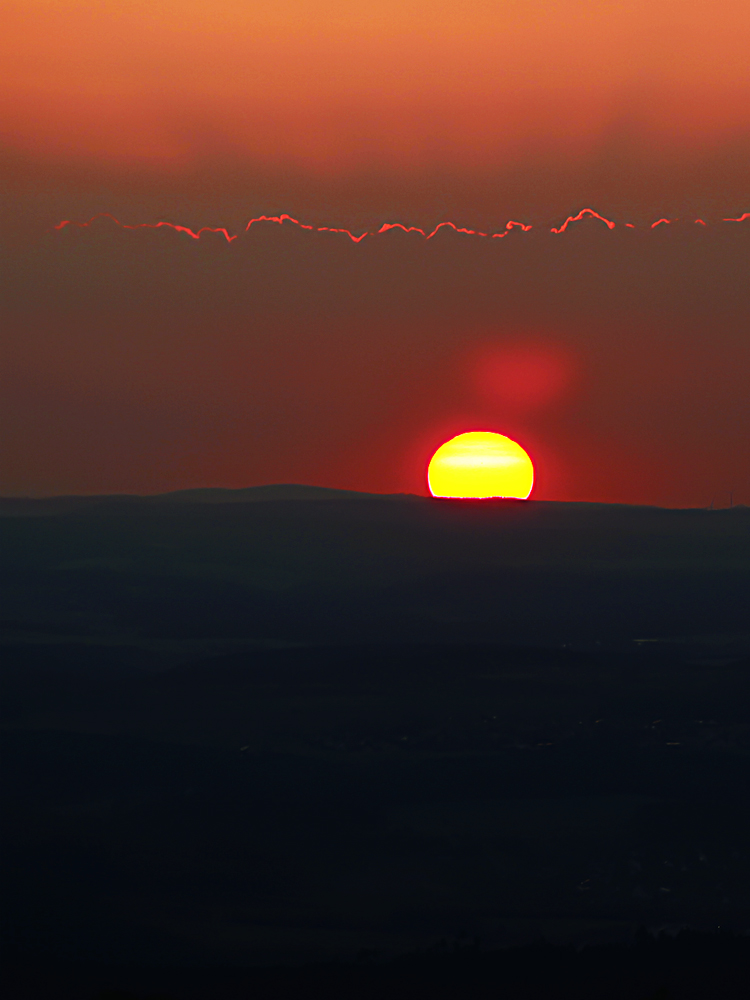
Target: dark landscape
[289, 740]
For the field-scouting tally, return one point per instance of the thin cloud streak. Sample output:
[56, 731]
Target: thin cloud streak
[386, 227]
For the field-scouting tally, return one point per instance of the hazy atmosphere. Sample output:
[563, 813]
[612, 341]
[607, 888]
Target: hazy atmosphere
[146, 360]
[374, 499]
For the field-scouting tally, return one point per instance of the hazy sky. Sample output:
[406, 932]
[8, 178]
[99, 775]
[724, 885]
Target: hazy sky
[145, 360]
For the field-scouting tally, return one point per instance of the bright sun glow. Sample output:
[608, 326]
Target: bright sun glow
[480, 464]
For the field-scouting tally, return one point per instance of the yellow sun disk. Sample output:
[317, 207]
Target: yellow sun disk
[480, 464]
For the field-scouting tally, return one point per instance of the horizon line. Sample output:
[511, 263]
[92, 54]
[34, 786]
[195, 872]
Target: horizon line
[357, 493]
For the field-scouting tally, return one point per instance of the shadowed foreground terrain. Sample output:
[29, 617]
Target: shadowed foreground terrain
[288, 725]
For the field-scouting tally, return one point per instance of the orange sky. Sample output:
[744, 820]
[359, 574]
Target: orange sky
[336, 86]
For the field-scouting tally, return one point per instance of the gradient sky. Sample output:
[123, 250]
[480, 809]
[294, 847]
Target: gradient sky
[145, 361]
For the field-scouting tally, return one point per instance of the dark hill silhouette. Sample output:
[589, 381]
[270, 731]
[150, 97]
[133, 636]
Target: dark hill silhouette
[27, 506]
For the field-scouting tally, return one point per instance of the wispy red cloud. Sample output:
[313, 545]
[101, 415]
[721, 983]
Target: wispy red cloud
[585, 213]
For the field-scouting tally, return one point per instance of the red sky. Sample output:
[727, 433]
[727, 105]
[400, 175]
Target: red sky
[135, 362]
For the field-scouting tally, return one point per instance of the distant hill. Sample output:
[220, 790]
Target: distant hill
[29, 506]
[44, 506]
[276, 491]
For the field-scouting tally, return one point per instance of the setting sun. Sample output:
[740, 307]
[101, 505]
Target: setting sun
[480, 465]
